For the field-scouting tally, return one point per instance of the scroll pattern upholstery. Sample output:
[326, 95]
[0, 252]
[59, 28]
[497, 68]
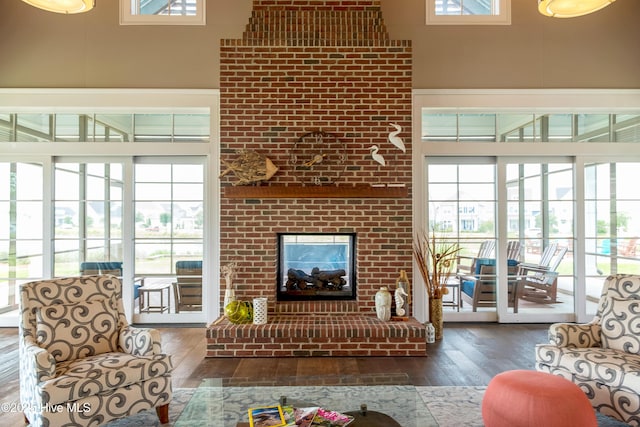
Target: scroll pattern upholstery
[582, 353]
[620, 325]
[74, 331]
[95, 385]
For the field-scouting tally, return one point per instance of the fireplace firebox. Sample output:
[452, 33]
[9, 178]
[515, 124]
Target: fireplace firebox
[316, 266]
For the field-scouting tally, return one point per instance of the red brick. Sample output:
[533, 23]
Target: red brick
[271, 93]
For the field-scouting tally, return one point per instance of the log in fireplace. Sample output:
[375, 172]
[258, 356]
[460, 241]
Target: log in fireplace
[316, 266]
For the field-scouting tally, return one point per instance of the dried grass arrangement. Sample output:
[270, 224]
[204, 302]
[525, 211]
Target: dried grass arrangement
[436, 260]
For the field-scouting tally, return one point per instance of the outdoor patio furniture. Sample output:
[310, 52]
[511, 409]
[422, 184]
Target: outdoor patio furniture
[539, 283]
[187, 289]
[513, 250]
[466, 265]
[90, 268]
[479, 290]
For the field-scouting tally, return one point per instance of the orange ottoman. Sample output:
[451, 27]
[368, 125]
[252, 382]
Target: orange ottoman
[535, 399]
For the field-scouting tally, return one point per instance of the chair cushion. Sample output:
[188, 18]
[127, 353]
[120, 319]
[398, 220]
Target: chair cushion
[620, 325]
[75, 331]
[189, 265]
[100, 267]
[86, 377]
[491, 261]
[483, 261]
[607, 366]
[467, 286]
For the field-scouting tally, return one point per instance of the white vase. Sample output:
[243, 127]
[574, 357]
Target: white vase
[260, 306]
[383, 304]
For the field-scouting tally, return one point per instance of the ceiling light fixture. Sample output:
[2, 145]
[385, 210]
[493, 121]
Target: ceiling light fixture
[570, 8]
[63, 6]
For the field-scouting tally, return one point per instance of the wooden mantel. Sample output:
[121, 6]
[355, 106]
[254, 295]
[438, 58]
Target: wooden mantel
[315, 192]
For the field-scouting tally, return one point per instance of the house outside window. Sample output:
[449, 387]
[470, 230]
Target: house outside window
[468, 12]
[163, 12]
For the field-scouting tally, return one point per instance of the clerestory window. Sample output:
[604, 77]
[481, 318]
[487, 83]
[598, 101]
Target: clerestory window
[468, 12]
[162, 12]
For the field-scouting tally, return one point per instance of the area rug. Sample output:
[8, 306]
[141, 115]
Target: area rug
[449, 406]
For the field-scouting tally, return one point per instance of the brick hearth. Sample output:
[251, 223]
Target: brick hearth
[317, 335]
[303, 66]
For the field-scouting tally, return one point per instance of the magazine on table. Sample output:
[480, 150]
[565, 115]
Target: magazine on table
[327, 418]
[314, 416]
[299, 417]
[266, 416]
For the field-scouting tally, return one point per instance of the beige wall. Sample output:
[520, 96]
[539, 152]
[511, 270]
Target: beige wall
[41, 49]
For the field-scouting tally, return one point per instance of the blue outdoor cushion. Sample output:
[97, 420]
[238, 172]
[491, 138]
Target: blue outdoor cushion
[467, 286]
[190, 265]
[101, 265]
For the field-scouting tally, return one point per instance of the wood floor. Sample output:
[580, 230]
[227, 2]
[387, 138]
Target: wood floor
[469, 354]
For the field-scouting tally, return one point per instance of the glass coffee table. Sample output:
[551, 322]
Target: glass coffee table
[225, 402]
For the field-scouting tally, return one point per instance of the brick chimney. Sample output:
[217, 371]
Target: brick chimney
[304, 66]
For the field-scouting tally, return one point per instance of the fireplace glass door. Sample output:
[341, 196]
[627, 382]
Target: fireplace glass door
[316, 266]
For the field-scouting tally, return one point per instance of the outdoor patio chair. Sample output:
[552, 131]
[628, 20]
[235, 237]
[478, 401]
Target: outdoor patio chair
[479, 290]
[466, 265]
[513, 250]
[187, 289]
[90, 268]
[539, 283]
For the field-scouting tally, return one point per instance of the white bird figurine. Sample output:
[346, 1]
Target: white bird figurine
[377, 157]
[395, 139]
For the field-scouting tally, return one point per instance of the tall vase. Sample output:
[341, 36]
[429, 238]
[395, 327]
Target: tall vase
[383, 304]
[435, 316]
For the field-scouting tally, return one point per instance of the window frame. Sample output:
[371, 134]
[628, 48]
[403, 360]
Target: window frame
[127, 18]
[31, 100]
[615, 101]
[503, 18]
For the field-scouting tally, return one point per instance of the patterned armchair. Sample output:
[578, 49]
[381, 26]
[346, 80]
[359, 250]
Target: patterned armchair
[80, 362]
[603, 356]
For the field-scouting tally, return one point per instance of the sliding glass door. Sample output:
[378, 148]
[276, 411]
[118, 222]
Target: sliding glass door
[462, 210]
[87, 207]
[540, 206]
[612, 223]
[21, 228]
[465, 199]
[169, 236]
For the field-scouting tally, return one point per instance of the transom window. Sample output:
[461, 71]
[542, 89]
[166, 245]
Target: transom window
[162, 12]
[530, 127]
[468, 12]
[104, 127]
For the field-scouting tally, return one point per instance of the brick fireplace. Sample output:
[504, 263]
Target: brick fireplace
[307, 66]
